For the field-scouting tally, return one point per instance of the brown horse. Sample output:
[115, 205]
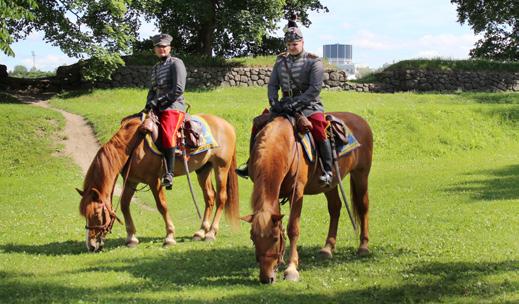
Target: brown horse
[126, 150]
[279, 169]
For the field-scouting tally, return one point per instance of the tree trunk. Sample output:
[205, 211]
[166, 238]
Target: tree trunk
[208, 26]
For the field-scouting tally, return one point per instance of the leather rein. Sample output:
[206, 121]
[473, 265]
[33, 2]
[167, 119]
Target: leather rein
[107, 226]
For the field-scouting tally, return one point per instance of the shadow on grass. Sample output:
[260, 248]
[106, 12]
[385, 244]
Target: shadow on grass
[494, 98]
[178, 275]
[498, 184]
[74, 93]
[68, 247]
[6, 98]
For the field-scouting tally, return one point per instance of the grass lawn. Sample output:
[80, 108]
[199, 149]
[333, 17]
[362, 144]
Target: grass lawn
[444, 215]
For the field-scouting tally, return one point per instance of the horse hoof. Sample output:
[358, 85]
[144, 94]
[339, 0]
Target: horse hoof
[132, 244]
[363, 252]
[292, 276]
[325, 254]
[199, 235]
[169, 242]
[210, 237]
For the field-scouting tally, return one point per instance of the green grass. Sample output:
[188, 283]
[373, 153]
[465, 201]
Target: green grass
[455, 65]
[443, 218]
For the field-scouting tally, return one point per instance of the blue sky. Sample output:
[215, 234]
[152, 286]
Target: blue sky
[380, 31]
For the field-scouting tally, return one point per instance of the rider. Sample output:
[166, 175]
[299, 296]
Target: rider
[165, 97]
[299, 74]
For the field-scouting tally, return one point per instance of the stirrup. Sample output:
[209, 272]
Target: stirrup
[167, 181]
[243, 171]
[326, 179]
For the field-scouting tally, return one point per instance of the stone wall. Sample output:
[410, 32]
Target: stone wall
[69, 78]
[138, 76]
[390, 81]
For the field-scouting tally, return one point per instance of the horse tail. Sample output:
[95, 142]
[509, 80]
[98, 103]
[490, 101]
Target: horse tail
[232, 207]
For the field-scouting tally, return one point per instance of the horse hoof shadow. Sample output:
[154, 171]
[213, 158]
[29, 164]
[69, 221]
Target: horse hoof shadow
[325, 254]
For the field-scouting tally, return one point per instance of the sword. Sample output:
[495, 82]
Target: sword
[339, 181]
[184, 158]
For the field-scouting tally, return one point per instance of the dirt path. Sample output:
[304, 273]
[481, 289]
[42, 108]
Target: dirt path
[80, 142]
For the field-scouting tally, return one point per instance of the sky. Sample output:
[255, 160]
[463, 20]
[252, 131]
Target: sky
[380, 31]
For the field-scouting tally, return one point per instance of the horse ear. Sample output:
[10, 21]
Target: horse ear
[277, 217]
[80, 192]
[96, 194]
[247, 218]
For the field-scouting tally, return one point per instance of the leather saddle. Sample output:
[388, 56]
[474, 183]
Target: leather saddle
[191, 131]
[301, 124]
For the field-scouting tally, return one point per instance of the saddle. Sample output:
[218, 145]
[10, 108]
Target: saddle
[191, 131]
[337, 130]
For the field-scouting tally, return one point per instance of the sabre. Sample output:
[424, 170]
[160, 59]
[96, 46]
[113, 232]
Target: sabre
[184, 158]
[343, 194]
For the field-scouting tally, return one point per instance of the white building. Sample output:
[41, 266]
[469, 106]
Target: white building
[341, 56]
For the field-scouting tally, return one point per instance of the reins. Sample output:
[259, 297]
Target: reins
[107, 227]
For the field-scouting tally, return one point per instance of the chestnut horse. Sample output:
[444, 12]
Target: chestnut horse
[279, 169]
[127, 150]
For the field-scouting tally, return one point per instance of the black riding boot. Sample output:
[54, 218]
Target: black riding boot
[167, 179]
[325, 151]
[243, 170]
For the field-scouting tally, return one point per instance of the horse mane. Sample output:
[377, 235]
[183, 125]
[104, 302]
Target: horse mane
[265, 165]
[109, 160]
[261, 223]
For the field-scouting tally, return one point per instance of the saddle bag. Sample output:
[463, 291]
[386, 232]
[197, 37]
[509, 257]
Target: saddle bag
[338, 130]
[303, 125]
[192, 133]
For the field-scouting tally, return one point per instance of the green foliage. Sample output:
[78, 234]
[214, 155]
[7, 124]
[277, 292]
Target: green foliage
[433, 219]
[101, 30]
[455, 65]
[498, 20]
[12, 11]
[21, 71]
[226, 27]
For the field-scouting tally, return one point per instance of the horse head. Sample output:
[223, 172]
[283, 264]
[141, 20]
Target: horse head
[97, 210]
[268, 237]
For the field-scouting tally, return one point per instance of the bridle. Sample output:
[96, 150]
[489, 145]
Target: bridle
[281, 248]
[102, 230]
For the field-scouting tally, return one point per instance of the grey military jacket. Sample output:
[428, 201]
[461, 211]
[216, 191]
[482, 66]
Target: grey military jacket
[307, 72]
[168, 81]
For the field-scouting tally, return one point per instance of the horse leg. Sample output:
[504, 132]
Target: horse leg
[126, 198]
[221, 174]
[291, 273]
[204, 180]
[162, 206]
[359, 193]
[334, 210]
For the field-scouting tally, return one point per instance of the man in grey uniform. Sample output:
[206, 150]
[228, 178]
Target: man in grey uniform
[299, 75]
[166, 99]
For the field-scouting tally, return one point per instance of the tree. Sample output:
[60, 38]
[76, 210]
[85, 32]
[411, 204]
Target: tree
[498, 20]
[225, 27]
[101, 30]
[14, 11]
[19, 71]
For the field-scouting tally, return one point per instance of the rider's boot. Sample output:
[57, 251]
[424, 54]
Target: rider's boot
[325, 151]
[167, 179]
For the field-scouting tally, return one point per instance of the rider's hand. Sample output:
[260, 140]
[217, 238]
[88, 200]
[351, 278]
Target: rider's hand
[289, 107]
[276, 108]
